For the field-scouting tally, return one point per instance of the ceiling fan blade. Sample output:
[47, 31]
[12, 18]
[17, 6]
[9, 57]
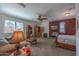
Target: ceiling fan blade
[22, 4]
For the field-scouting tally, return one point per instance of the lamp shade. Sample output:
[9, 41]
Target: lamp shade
[17, 37]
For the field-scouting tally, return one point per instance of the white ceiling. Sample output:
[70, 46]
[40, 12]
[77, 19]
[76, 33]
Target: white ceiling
[32, 10]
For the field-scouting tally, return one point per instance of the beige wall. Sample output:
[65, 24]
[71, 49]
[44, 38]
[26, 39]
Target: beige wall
[77, 30]
[45, 25]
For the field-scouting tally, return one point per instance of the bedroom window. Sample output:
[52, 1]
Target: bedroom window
[62, 27]
[11, 26]
[19, 26]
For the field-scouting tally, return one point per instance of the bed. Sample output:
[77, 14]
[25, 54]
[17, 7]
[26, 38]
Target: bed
[66, 41]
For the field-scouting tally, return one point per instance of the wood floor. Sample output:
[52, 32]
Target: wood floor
[46, 47]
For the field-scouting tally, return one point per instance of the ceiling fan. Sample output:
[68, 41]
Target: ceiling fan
[41, 18]
[22, 5]
[68, 13]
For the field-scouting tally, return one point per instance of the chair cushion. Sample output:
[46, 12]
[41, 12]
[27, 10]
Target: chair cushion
[6, 48]
[10, 47]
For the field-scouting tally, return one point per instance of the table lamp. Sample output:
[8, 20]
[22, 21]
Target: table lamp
[17, 37]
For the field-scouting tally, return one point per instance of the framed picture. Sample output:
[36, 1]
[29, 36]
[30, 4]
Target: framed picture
[54, 27]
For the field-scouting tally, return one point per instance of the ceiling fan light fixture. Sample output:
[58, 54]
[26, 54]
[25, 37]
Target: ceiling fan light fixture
[67, 14]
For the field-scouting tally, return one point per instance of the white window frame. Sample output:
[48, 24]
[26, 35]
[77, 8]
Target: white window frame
[62, 27]
[7, 30]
